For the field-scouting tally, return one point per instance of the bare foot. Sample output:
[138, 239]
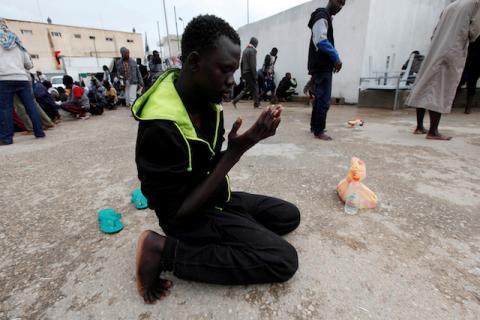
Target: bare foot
[420, 131]
[323, 136]
[468, 111]
[148, 267]
[438, 137]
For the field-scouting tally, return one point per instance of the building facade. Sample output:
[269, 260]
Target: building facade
[174, 49]
[367, 34]
[53, 47]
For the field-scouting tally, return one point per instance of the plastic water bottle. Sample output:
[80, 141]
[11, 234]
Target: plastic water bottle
[352, 202]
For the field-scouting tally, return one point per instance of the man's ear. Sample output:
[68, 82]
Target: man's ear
[193, 61]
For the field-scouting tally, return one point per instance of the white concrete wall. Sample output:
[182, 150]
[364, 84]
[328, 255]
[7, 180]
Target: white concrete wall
[396, 28]
[288, 32]
[366, 33]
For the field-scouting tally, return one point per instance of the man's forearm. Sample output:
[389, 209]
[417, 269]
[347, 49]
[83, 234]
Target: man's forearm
[203, 192]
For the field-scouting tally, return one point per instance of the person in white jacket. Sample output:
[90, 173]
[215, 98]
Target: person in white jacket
[15, 79]
[437, 81]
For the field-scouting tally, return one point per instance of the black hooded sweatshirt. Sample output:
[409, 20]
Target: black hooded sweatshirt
[319, 61]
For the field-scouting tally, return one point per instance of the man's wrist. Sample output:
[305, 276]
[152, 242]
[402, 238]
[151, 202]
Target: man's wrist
[232, 155]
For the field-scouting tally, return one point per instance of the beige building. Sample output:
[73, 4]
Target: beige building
[175, 46]
[83, 49]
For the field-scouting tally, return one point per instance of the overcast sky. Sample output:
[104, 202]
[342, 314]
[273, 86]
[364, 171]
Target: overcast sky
[142, 14]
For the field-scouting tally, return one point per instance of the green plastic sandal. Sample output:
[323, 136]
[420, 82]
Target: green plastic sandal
[108, 213]
[139, 199]
[110, 221]
[110, 226]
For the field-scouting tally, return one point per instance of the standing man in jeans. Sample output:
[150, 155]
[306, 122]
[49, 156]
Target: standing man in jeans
[323, 59]
[15, 80]
[128, 70]
[249, 73]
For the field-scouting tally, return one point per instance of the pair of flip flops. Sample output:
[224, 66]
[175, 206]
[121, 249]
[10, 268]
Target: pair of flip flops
[110, 221]
[139, 199]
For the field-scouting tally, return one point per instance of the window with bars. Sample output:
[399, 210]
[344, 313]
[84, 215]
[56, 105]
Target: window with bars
[108, 39]
[77, 36]
[56, 34]
[34, 56]
[24, 31]
[129, 40]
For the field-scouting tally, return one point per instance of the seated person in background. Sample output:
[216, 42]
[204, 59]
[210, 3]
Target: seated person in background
[62, 95]
[51, 90]
[40, 76]
[286, 87]
[77, 101]
[97, 98]
[309, 90]
[265, 85]
[110, 95]
[119, 86]
[45, 100]
[416, 64]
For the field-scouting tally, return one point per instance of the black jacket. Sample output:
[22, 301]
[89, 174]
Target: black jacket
[172, 156]
[162, 161]
[249, 61]
[317, 60]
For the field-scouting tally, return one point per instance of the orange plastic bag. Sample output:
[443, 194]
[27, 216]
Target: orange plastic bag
[368, 199]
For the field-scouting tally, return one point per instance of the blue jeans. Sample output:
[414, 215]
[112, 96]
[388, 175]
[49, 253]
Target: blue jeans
[323, 94]
[24, 91]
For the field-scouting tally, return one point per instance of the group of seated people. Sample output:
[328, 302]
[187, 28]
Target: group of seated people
[101, 95]
[268, 91]
[75, 99]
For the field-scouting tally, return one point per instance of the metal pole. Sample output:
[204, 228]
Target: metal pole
[96, 53]
[40, 10]
[397, 92]
[183, 23]
[166, 24]
[159, 38]
[176, 28]
[248, 11]
[386, 70]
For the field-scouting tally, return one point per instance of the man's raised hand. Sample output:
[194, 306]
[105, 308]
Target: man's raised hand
[265, 126]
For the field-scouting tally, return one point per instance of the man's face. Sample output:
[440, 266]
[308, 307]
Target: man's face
[214, 75]
[126, 55]
[336, 6]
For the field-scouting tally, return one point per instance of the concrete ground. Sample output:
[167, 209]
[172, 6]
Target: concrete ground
[417, 256]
